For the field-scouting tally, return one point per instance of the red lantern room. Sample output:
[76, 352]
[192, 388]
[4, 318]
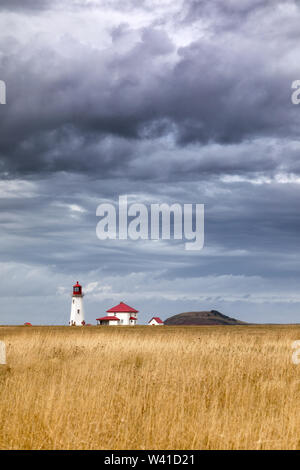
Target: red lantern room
[77, 289]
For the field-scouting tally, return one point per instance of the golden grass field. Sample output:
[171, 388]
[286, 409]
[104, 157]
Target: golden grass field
[232, 387]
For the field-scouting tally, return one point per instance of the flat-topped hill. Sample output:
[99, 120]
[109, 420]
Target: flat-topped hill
[212, 317]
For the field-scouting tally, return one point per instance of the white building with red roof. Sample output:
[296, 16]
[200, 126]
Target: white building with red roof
[121, 314]
[155, 321]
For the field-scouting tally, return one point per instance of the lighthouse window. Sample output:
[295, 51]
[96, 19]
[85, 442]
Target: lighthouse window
[76, 289]
[78, 311]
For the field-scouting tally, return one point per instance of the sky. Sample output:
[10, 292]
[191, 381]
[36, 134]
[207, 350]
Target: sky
[166, 102]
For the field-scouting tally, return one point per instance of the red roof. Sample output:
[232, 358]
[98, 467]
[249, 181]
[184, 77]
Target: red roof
[122, 308]
[27, 324]
[108, 318]
[132, 318]
[157, 319]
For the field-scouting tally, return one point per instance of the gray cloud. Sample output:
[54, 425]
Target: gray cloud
[23, 5]
[209, 94]
[232, 15]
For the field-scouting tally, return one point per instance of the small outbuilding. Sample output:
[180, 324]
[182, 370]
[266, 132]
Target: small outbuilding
[155, 321]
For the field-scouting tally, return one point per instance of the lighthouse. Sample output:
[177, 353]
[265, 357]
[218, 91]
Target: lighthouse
[77, 312]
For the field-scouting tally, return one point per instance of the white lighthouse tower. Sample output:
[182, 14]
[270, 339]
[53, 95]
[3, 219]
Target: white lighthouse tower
[77, 311]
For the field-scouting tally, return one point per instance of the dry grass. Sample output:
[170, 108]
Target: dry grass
[150, 388]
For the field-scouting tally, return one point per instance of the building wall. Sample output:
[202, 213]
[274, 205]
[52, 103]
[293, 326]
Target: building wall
[124, 318]
[77, 311]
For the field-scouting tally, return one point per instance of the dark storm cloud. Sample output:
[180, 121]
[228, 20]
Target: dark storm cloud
[45, 221]
[212, 93]
[31, 6]
[231, 14]
[23, 5]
